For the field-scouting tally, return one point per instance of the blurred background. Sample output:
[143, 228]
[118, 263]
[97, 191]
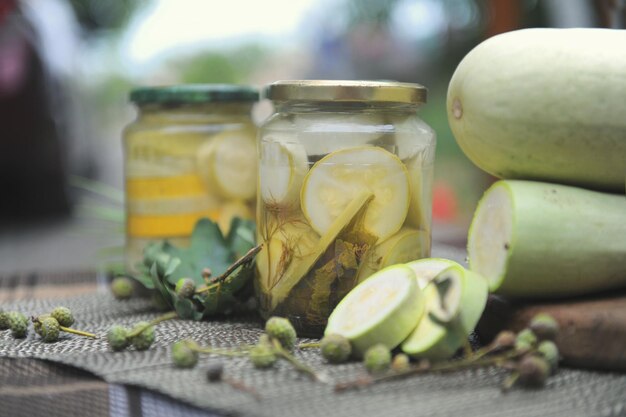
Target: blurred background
[66, 67]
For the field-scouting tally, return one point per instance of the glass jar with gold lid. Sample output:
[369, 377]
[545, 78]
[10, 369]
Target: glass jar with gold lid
[189, 154]
[345, 178]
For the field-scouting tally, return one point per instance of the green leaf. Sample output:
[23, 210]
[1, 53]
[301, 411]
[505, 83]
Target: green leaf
[186, 309]
[241, 236]
[174, 263]
[164, 264]
[239, 277]
[143, 276]
[209, 248]
[156, 280]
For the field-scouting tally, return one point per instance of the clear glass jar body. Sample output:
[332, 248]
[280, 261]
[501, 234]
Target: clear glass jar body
[344, 190]
[183, 163]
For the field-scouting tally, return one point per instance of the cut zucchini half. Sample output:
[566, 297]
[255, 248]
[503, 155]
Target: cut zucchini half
[427, 341]
[281, 172]
[383, 309]
[227, 164]
[427, 269]
[334, 181]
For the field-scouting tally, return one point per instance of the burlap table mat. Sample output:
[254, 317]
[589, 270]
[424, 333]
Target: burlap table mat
[283, 391]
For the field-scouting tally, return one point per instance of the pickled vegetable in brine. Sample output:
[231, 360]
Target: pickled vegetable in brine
[329, 221]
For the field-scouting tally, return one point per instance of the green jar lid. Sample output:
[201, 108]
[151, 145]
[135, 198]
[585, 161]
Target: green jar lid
[194, 93]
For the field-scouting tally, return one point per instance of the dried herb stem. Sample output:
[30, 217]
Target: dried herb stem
[510, 381]
[301, 367]
[238, 385]
[78, 332]
[486, 350]
[164, 317]
[241, 351]
[220, 279]
[309, 345]
[449, 366]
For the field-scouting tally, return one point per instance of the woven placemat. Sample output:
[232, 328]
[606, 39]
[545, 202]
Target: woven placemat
[283, 391]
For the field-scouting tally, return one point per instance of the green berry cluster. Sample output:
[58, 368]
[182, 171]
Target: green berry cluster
[335, 348]
[141, 336]
[63, 316]
[122, 288]
[16, 322]
[4, 320]
[276, 343]
[538, 354]
[263, 356]
[117, 336]
[281, 330]
[185, 353]
[185, 288]
[377, 358]
[48, 326]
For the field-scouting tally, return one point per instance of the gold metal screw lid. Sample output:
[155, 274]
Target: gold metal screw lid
[346, 91]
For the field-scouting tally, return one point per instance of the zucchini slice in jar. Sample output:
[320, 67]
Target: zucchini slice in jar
[227, 164]
[334, 181]
[405, 246]
[283, 166]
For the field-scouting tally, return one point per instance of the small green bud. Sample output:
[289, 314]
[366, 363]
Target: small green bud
[18, 324]
[400, 362]
[184, 355]
[335, 348]
[4, 320]
[63, 315]
[533, 371]
[525, 339]
[214, 372]
[550, 353]
[262, 356]
[280, 328]
[377, 358]
[37, 322]
[49, 330]
[185, 288]
[117, 336]
[504, 340]
[265, 340]
[544, 326]
[122, 288]
[143, 340]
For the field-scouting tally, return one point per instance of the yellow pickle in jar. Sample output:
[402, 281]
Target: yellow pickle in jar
[345, 189]
[190, 153]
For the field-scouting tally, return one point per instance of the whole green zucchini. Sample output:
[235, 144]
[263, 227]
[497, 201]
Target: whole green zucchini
[541, 240]
[545, 104]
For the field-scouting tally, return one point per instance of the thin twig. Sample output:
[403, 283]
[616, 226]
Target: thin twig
[164, 317]
[467, 363]
[309, 345]
[78, 332]
[282, 352]
[238, 385]
[244, 259]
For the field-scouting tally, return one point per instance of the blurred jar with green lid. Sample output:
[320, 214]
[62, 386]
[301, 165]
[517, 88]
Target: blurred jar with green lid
[345, 177]
[189, 154]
